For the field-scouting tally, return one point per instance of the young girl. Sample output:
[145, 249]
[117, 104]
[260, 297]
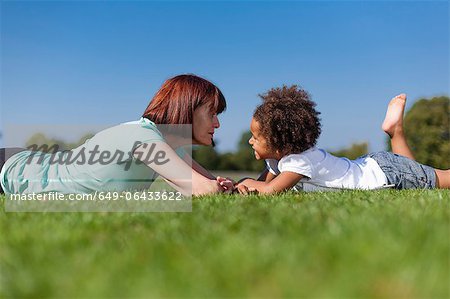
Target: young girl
[285, 129]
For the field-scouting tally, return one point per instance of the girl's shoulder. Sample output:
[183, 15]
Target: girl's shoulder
[310, 154]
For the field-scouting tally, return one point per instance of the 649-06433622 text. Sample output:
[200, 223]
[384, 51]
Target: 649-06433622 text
[101, 196]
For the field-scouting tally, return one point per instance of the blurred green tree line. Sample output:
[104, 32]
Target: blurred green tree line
[39, 139]
[426, 126]
[244, 160]
[427, 130]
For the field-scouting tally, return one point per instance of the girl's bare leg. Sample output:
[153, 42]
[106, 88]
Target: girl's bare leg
[442, 178]
[393, 126]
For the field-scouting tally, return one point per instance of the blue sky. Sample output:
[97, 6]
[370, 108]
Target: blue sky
[101, 62]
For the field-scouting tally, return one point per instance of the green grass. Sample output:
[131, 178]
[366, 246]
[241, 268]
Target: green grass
[384, 244]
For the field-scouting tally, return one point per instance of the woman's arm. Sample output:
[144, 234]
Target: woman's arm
[226, 183]
[197, 167]
[163, 160]
[274, 184]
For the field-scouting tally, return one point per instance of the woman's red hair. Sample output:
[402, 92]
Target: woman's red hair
[178, 97]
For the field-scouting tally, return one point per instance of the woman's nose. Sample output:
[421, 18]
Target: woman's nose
[216, 122]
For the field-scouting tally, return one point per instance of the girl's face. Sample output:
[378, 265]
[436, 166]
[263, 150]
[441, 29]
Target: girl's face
[259, 143]
[204, 123]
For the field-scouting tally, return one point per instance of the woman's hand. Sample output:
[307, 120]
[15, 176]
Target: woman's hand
[208, 187]
[227, 184]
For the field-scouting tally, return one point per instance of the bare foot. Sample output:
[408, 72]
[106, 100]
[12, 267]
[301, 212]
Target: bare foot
[393, 122]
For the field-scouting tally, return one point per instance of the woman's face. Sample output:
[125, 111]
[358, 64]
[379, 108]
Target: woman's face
[204, 124]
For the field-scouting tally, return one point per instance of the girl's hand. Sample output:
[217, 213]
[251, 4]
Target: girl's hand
[244, 190]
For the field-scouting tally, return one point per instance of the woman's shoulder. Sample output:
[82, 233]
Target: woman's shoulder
[124, 136]
[141, 129]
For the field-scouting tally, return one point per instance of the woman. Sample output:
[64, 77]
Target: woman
[131, 155]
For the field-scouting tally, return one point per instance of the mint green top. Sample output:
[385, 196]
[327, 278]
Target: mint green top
[28, 173]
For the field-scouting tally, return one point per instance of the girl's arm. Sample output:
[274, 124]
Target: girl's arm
[263, 175]
[269, 177]
[266, 176]
[163, 159]
[282, 182]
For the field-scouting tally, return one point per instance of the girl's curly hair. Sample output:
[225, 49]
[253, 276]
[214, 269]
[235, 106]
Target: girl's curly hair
[288, 119]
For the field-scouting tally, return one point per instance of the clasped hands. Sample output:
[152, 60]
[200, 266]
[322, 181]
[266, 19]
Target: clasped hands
[230, 186]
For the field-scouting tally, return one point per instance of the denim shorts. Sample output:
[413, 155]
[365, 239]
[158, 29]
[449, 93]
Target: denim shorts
[403, 172]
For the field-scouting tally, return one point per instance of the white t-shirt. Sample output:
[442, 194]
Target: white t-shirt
[324, 172]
